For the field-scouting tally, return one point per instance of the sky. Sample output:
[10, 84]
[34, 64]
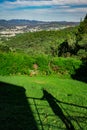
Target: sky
[43, 10]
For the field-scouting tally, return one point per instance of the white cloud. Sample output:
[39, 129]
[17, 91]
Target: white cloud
[27, 3]
[77, 10]
[44, 15]
[70, 1]
[60, 9]
[45, 2]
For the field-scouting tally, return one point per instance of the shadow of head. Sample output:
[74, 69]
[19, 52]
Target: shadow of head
[57, 110]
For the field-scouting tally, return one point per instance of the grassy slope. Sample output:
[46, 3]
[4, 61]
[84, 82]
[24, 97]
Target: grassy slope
[65, 90]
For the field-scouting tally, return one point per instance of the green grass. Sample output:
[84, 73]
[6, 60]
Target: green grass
[71, 100]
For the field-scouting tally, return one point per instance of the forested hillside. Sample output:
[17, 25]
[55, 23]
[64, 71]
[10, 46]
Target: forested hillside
[62, 52]
[43, 42]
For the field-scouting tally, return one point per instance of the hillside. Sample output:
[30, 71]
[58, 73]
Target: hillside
[42, 42]
[43, 78]
[16, 26]
[24, 102]
[61, 52]
[23, 22]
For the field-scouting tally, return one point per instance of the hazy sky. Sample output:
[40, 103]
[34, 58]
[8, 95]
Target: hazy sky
[44, 10]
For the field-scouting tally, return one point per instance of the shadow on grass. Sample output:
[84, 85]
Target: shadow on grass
[15, 111]
[57, 110]
[64, 115]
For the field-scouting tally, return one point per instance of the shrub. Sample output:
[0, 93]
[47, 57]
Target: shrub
[13, 63]
[17, 63]
[43, 63]
[67, 65]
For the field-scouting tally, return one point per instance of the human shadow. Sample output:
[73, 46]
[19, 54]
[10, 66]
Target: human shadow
[57, 110]
[72, 115]
[15, 111]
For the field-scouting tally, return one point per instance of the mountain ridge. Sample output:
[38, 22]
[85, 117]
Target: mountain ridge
[23, 22]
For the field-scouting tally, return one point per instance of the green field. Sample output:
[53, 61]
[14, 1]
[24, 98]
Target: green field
[22, 106]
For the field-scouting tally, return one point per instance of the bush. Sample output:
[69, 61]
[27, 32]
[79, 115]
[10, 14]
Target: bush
[17, 63]
[43, 63]
[14, 63]
[66, 65]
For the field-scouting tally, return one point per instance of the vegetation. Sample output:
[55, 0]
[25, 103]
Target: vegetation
[35, 43]
[25, 104]
[22, 64]
[54, 52]
[67, 42]
[37, 90]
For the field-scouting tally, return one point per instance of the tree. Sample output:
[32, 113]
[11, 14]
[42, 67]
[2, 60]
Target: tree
[81, 73]
[82, 29]
[63, 48]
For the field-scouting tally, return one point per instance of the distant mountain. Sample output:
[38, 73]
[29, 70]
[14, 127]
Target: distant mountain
[21, 22]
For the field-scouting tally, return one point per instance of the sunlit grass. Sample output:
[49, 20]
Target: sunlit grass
[69, 91]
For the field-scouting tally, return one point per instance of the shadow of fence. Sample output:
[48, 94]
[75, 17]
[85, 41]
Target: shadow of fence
[53, 114]
[47, 113]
